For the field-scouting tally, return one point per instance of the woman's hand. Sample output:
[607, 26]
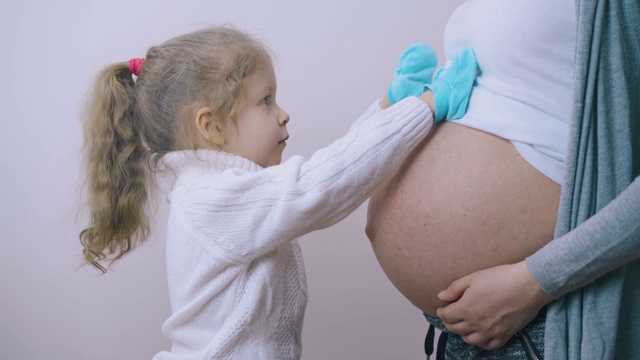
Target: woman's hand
[489, 306]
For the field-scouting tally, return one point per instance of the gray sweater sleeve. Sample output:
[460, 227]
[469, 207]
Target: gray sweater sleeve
[607, 240]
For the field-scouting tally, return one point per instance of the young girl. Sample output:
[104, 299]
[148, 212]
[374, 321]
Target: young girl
[204, 104]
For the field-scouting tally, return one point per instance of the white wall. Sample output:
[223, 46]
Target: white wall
[333, 59]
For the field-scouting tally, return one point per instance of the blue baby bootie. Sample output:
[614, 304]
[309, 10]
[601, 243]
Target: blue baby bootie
[452, 85]
[415, 68]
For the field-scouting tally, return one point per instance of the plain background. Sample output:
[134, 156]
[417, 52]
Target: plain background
[333, 58]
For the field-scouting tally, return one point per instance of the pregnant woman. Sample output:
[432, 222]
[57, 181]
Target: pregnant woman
[484, 190]
[493, 198]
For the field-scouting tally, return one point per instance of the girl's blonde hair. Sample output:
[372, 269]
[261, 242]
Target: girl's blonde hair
[129, 124]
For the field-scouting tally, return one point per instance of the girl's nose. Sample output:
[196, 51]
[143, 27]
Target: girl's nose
[284, 118]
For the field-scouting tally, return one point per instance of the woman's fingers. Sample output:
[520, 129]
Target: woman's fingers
[461, 328]
[487, 343]
[455, 290]
[450, 314]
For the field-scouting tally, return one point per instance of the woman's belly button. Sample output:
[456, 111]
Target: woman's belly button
[464, 201]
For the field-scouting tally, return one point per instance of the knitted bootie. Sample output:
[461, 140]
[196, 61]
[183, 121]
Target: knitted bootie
[415, 68]
[452, 85]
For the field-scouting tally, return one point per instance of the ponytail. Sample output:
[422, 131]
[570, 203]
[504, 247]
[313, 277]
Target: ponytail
[130, 125]
[117, 169]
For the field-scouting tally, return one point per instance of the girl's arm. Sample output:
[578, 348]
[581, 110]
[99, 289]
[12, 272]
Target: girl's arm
[375, 108]
[384, 103]
[251, 213]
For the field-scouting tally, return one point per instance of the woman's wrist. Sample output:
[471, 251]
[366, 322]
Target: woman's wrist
[538, 295]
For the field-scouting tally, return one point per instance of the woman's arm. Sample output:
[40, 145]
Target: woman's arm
[488, 307]
[607, 240]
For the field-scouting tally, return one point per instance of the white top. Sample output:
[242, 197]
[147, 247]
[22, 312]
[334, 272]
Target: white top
[235, 273]
[524, 90]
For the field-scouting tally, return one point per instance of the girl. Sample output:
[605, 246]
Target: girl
[204, 104]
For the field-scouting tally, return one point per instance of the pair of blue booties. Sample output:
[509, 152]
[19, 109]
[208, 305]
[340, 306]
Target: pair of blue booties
[451, 84]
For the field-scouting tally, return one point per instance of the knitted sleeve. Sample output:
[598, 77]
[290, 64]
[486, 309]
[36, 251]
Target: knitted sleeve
[372, 110]
[246, 214]
[607, 240]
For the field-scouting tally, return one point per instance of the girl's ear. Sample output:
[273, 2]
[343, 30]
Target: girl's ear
[208, 129]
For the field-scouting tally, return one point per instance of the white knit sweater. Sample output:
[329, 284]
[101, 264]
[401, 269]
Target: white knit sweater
[235, 272]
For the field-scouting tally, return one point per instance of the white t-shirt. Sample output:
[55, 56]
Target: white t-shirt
[524, 90]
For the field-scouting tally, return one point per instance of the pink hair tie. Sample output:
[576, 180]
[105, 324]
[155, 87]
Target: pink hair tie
[135, 65]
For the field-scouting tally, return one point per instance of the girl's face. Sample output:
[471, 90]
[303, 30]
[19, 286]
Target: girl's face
[261, 132]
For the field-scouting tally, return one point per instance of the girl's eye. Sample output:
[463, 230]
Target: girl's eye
[267, 100]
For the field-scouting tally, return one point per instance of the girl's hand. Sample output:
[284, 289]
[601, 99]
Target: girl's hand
[489, 306]
[427, 97]
[384, 103]
[414, 70]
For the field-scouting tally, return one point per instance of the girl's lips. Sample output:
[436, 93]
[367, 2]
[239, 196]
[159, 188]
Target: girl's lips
[283, 140]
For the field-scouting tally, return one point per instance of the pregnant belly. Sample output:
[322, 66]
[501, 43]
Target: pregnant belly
[465, 200]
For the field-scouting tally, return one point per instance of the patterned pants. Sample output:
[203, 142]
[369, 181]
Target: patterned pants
[514, 349]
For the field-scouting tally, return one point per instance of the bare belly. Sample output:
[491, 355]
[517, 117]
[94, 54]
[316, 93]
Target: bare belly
[464, 201]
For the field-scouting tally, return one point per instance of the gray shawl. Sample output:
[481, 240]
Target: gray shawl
[593, 265]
